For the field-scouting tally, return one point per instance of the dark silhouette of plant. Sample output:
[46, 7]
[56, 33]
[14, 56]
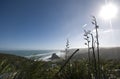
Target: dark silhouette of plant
[94, 57]
[67, 61]
[94, 22]
[67, 49]
[87, 38]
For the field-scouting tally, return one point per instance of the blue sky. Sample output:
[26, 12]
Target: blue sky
[45, 24]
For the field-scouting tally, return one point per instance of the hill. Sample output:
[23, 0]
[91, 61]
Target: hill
[16, 67]
[105, 53]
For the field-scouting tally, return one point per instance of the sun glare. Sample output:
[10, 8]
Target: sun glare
[108, 11]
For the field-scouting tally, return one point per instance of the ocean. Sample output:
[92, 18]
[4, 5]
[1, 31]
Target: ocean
[34, 54]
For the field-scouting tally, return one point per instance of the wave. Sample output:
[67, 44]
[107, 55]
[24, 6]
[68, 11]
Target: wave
[45, 56]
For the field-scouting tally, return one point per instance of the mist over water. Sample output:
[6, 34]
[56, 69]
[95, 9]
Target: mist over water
[36, 54]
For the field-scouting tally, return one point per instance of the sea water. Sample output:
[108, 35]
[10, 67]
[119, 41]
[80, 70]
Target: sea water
[34, 54]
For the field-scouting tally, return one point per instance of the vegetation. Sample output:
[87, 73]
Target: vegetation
[92, 67]
[15, 67]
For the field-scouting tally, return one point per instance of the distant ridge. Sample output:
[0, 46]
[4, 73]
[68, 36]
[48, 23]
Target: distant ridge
[105, 53]
[13, 59]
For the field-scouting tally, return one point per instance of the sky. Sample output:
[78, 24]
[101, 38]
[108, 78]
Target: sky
[46, 24]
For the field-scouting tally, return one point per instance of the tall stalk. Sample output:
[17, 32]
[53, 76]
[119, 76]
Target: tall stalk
[67, 49]
[97, 40]
[94, 57]
[88, 42]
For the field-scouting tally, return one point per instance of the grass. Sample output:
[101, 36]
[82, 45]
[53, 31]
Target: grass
[15, 67]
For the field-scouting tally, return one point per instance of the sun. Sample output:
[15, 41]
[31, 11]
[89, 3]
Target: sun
[108, 11]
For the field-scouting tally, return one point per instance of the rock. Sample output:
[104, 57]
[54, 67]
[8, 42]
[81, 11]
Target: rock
[54, 56]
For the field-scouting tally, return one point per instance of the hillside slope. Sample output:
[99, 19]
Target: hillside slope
[16, 67]
[105, 53]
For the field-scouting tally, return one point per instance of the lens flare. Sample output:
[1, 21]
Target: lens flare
[108, 11]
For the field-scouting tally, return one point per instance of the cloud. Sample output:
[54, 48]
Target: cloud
[102, 31]
[84, 25]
